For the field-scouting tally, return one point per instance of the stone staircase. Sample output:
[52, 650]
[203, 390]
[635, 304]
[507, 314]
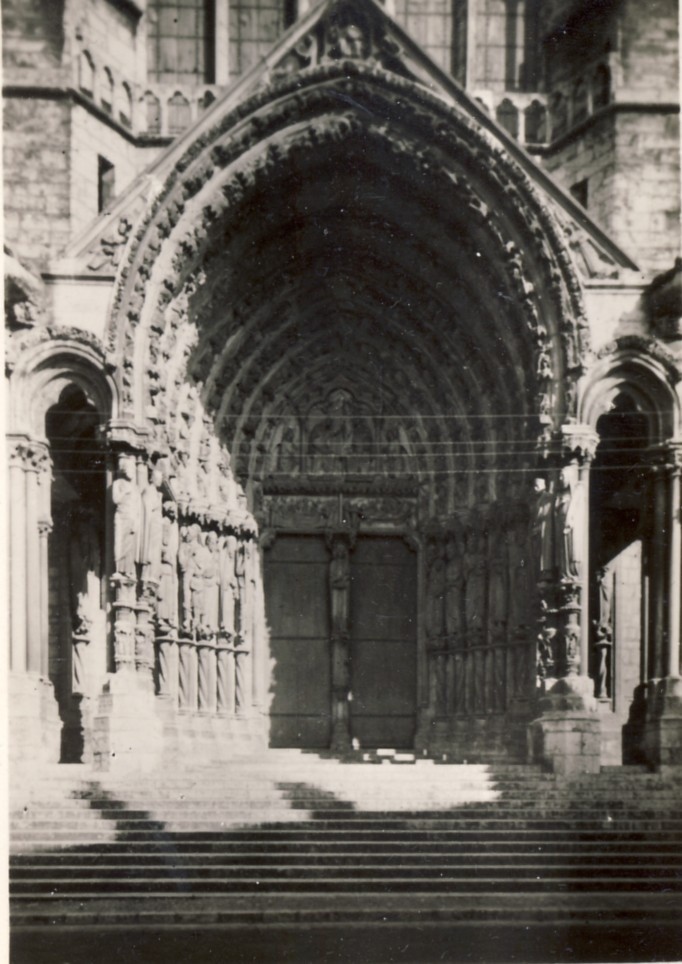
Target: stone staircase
[297, 839]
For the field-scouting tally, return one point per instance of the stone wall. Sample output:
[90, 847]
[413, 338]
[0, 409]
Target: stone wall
[90, 139]
[36, 160]
[628, 149]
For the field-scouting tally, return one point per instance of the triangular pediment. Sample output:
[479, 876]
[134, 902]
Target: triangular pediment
[333, 32]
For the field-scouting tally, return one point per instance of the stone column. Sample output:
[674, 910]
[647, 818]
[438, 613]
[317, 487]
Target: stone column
[225, 678]
[33, 710]
[339, 595]
[566, 736]
[662, 737]
[18, 453]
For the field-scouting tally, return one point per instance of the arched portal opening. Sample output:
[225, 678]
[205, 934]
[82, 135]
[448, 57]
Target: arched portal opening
[76, 564]
[619, 481]
[351, 316]
[632, 406]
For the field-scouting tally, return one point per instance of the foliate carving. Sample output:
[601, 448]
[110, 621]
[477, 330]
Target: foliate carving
[110, 248]
[592, 261]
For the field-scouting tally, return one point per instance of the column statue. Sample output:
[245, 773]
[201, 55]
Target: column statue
[543, 528]
[152, 528]
[127, 517]
[211, 575]
[454, 586]
[228, 584]
[603, 630]
[185, 564]
[168, 575]
[339, 586]
[569, 507]
[475, 584]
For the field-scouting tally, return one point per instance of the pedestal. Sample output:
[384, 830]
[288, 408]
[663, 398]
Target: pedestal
[127, 728]
[566, 737]
[35, 725]
[662, 730]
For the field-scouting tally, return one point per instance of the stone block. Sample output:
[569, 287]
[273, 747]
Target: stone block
[568, 742]
[35, 727]
[127, 727]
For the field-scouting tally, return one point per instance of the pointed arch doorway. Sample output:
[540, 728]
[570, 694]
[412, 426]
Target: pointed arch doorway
[341, 572]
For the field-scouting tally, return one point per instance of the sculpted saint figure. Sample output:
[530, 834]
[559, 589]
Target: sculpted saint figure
[435, 609]
[228, 584]
[339, 586]
[543, 527]
[168, 578]
[569, 515]
[475, 581]
[127, 517]
[454, 585]
[185, 564]
[84, 572]
[196, 584]
[152, 527]
[211, 574]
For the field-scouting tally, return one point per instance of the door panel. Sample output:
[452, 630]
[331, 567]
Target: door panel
[382, 645]
[383, 648]
[297, 600]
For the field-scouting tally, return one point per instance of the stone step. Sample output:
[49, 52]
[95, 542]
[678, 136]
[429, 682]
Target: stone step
[80, 888]
[381, 865]
[132, 828]
[316, 832]
[520, 907]
[246, 847]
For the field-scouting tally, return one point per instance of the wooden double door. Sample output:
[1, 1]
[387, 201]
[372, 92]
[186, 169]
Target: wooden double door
[382, 643]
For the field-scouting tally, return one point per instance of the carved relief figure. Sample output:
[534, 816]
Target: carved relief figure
[84, 572]
[543, 527]
[569, 513]
[339, 587]
[211, 576]
[497, 586]
[199, 563]
[435, 607]
[603, 631]
[454, 585]
[168, 578]
[127, 517]
[152, 528]
[228, 584]
[185, 565]
[286, 459]
[475, 583]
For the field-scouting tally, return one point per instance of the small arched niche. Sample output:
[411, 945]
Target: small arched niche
[76, 563]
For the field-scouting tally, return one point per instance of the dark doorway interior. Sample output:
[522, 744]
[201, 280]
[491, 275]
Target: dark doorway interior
[383, 647]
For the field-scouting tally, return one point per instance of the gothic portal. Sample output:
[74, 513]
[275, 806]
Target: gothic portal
[345, 426]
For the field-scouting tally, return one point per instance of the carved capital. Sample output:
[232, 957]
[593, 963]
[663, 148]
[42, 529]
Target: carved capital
[578, 442]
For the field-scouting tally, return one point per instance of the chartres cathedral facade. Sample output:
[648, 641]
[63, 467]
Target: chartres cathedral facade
[344, 374]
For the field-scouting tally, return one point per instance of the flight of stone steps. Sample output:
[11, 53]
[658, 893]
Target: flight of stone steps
[295, 837]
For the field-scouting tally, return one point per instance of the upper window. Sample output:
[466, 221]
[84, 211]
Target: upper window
[180, 41]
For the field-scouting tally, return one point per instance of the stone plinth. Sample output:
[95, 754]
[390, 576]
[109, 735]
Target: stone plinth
[662, 730]
[35, 725]
[566, 737]
[127, 728]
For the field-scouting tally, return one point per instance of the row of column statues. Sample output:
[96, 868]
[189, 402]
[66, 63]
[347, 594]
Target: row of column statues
[189, 586]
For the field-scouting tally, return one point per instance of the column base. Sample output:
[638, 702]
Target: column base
[34, 722]
[127, 729]
[566, 737]
[662, 728]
